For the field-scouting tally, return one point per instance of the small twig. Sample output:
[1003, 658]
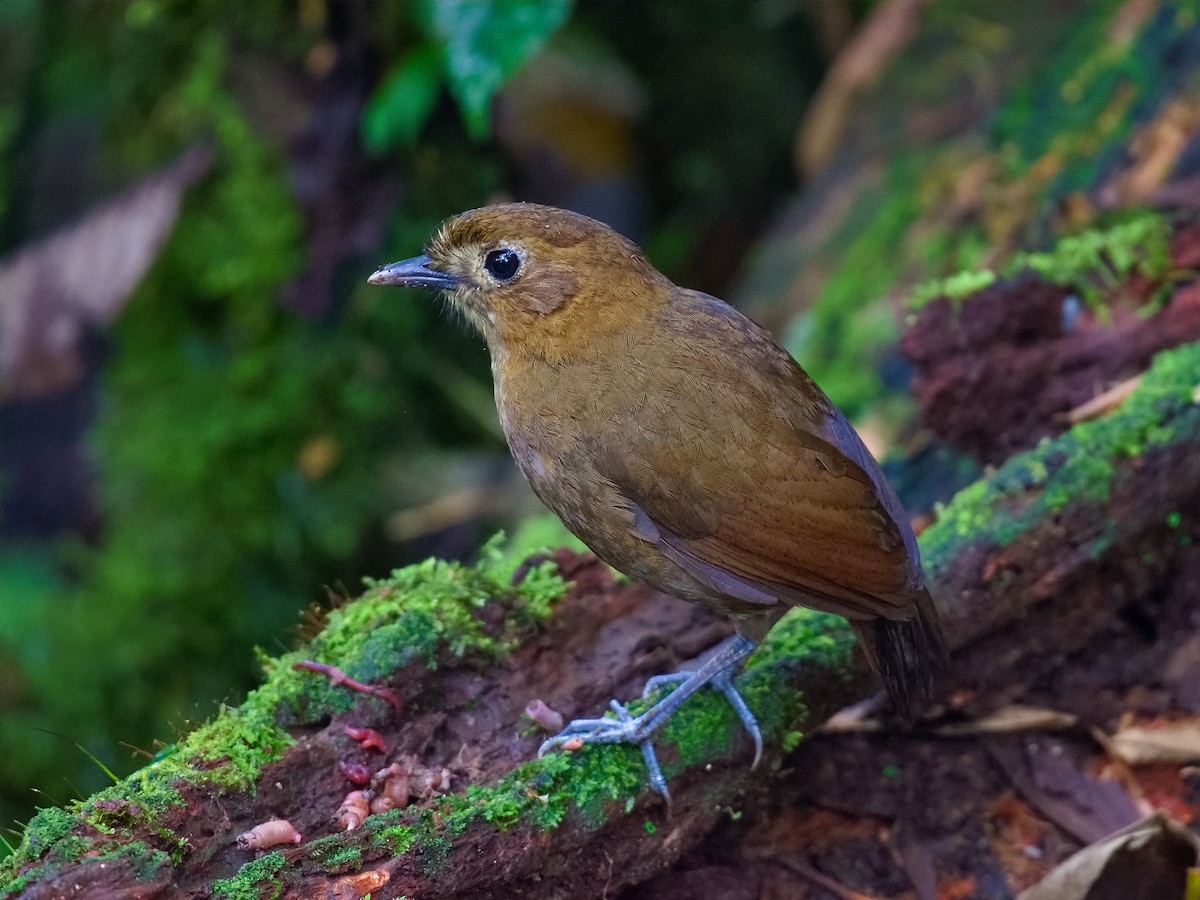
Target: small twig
[337, 676]
[1011, 719]
[1103, 403]
[811, 875]
[444, 512]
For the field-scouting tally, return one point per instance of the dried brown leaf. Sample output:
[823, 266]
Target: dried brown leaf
[1171, 742]
[1149, 858]
[50, 290]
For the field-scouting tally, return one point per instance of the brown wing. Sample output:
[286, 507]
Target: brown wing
[769, 497]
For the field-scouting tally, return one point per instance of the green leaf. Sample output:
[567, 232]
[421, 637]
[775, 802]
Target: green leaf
[401, 105]
[18, 12]
[486, 41]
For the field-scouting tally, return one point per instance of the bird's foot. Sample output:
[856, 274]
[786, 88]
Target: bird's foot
[628, 729]
[723, 682]
[624, 729]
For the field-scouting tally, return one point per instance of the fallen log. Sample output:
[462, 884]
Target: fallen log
[462, 652]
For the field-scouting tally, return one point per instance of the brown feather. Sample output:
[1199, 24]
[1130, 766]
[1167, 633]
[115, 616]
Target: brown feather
[681, 443]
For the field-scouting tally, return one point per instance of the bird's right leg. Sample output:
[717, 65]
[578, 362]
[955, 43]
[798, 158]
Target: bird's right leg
[627, 729]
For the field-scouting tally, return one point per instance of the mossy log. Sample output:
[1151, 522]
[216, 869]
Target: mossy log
[1027, 563]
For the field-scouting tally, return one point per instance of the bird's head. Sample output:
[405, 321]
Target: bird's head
[535, 277]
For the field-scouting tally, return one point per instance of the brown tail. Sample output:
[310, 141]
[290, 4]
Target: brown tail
[906, 653]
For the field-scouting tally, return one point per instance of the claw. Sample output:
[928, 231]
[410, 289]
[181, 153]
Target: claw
[656, 681]
[628, 729]
[724, 683]
[658, 782]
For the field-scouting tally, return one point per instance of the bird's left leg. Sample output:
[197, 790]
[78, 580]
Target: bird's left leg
[627, 729]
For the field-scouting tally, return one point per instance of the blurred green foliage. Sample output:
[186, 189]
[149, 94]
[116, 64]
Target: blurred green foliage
[402, 105]
[238, 446]
[1058, 92]
[1096, 262]
[475, 45]
[484, 43]
[843, 334]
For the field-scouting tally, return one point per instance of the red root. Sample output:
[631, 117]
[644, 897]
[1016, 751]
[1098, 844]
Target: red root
[367, 738]
[337, 676]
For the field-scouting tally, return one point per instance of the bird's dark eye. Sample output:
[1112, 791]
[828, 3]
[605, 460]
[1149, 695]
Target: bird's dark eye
[502, 264]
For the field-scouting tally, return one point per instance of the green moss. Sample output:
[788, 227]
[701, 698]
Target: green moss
[15, 885]
[45, 830]
[841, 339]
[427, 612]
[256, 880]
[956, 287]
[145, 862]
[1079, 109]
[706, 734]
[1098, 261]
[1095, 263]
[539, 534]
[1077, 466]
[330, 854]
[396, 838]
[503, 811]
[540, 794]
[180, 846]
[49, 828]
[432, 854]
[592, 783]
[818, 638]
[1064, 124]
[396, 615]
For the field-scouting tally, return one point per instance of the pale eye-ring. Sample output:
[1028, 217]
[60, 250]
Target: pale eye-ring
[502, 264]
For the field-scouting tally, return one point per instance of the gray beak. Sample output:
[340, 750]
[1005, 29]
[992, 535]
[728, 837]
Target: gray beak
[415, 272]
